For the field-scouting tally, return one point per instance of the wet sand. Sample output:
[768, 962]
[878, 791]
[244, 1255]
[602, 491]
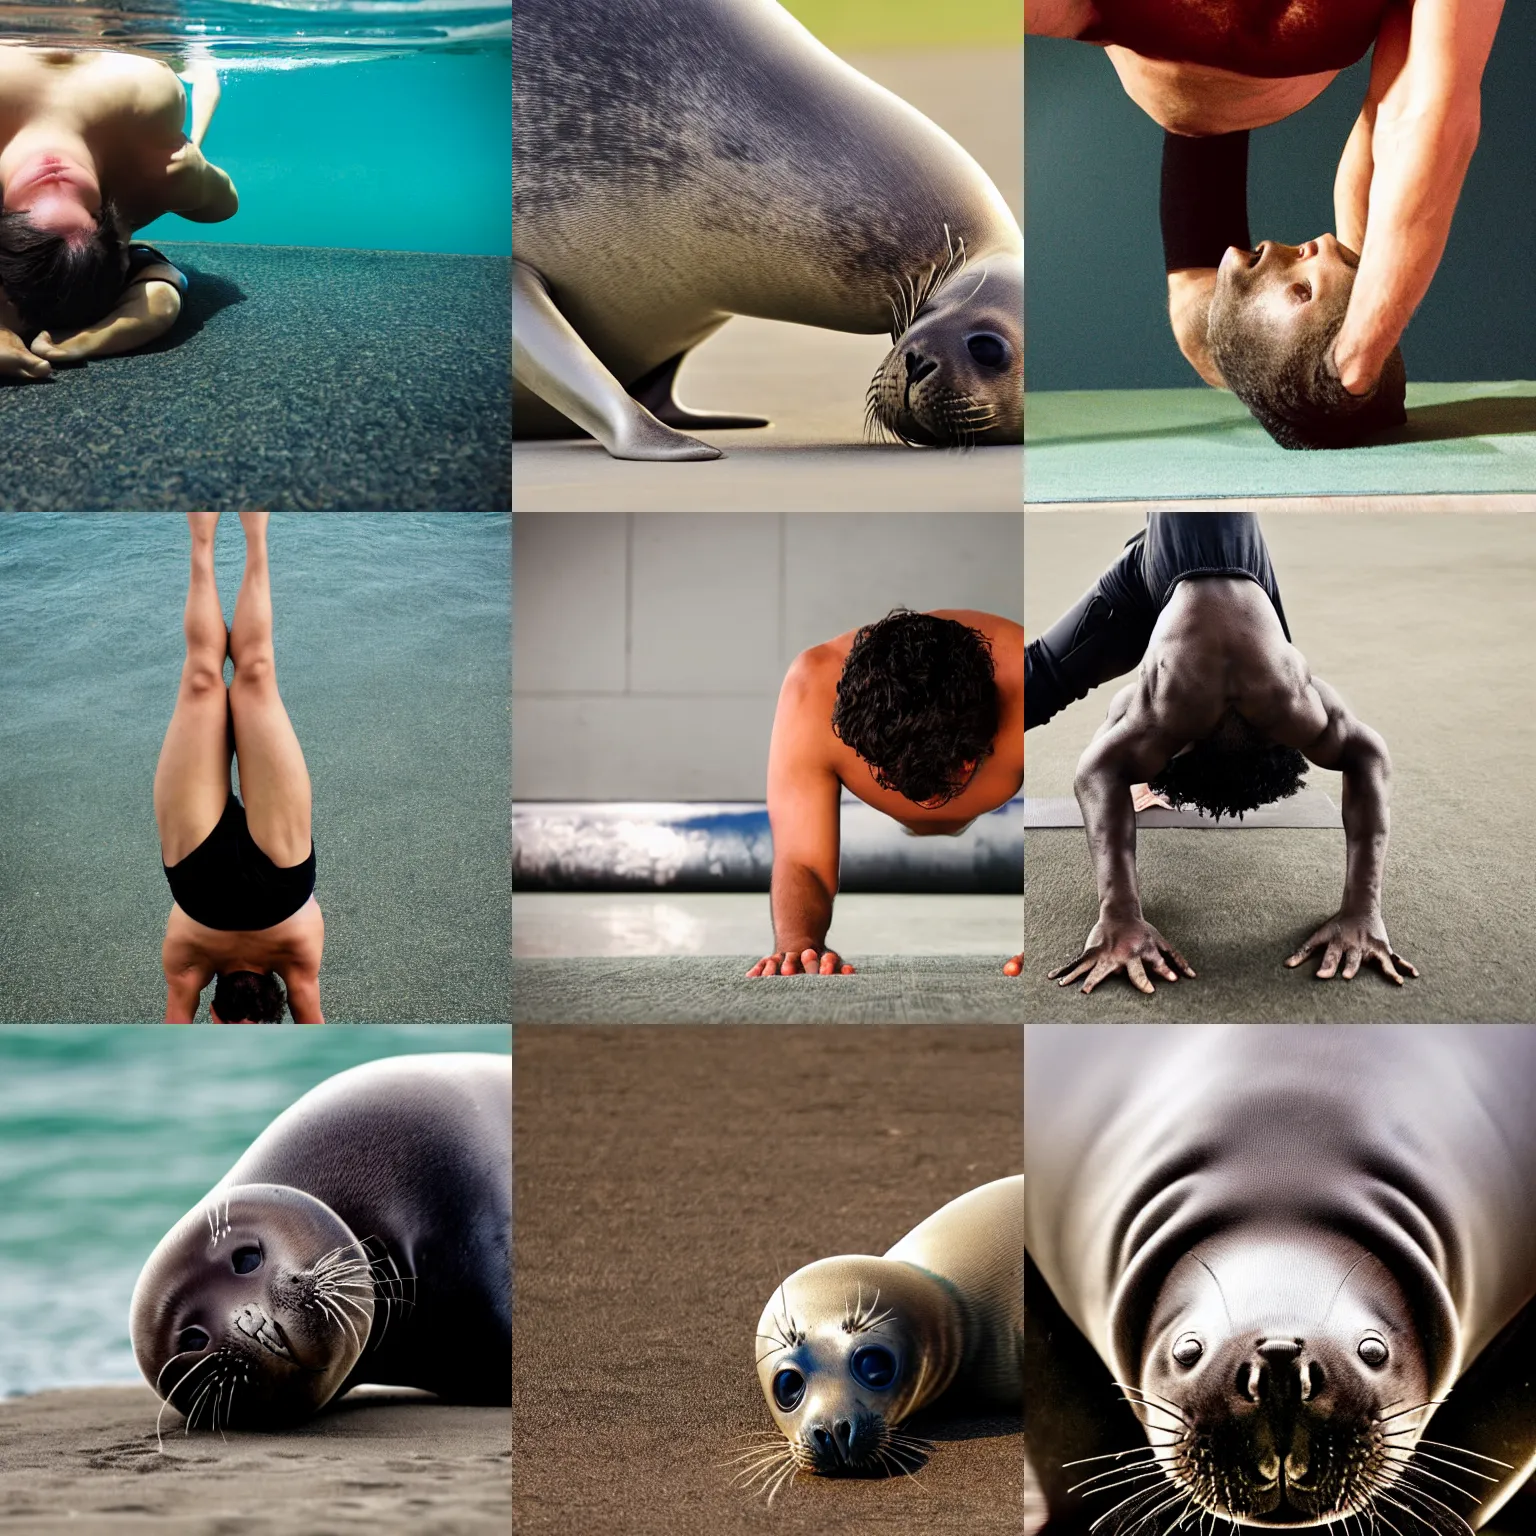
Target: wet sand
[86, 1461]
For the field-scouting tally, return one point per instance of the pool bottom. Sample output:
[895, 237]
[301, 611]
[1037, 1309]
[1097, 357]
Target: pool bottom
[296, 379]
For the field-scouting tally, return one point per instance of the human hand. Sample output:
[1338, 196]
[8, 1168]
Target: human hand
[1131, 945]
[72, 349]
[812, 961]
[1014, 967]
[1355, 938]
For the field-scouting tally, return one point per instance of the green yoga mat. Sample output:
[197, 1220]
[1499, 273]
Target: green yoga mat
[1165, 444]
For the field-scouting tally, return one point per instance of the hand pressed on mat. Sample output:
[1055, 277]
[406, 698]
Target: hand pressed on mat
[1129, 944]
[810, 961]
[1354, 938]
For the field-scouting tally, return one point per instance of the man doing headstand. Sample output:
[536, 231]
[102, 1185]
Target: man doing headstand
[1306, 336]
[921, 716]
[1223, 715]
[242, 875]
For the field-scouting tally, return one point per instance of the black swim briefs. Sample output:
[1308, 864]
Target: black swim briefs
[227, 882]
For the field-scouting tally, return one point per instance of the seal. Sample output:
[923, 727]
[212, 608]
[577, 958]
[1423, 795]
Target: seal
[365, 1236]
[1297, 1254]
[849, 1347]
[682, 161]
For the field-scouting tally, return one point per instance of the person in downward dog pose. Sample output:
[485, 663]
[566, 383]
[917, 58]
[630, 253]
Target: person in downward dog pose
[1224, 715]
[242, 871]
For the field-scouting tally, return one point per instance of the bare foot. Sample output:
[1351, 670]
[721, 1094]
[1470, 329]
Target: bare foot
[1144, 797]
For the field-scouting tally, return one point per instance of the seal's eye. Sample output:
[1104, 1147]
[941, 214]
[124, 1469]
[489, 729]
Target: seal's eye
[245, 1261]
[874, 1366]
[1187, 1350]
[988, 350]
[1373, 1351]
[788, 1389]
[192, 1339]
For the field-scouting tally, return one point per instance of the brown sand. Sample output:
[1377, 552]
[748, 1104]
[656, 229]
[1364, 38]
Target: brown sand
[86, 1461]
[667, 1178]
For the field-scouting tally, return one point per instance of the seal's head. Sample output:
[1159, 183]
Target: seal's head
[253, 1309]
[847, 1348]
[954, 377]
[1282, 1385]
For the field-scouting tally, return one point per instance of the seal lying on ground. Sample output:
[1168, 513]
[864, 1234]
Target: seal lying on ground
[681, 161]
[1285, 1247]
[849, 1347]
[364, 1237]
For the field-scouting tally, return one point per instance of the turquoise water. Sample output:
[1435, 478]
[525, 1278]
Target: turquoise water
[364, 125]
[107, 1136]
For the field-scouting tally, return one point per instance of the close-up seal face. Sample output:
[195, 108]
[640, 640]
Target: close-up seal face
[253, 1309]
[847, 1348]
[1281, 1383]
[954, 377]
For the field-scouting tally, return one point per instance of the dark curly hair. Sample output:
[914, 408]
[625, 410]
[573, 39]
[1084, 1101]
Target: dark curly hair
[917, 700]
[249, 997]
[1293, 388]
[60, 285]
[1231, 772]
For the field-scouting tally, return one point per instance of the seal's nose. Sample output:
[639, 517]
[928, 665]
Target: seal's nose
[918, 368]
[1280, 1371]
[832, 1444]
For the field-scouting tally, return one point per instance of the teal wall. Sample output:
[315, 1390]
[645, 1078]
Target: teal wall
[1096, 297]
[411, 154]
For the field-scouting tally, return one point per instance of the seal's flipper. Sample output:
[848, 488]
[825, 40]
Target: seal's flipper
[1072, 1411]
[1490, 1413]
[655, 392]
[551, 359]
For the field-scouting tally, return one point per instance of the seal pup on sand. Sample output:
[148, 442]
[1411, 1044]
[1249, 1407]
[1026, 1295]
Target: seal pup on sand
[365, 1236]
[677, 162]
[848, 1347]
[1306, 1257]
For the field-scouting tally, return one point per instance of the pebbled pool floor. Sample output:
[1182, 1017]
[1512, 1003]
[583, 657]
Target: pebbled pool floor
[295, 379]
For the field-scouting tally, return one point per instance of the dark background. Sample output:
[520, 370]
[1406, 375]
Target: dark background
[1096, 294]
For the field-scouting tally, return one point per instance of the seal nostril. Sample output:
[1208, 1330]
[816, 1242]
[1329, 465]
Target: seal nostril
[843, 1431]
[1250, 1380]
[1312, 1380]
[918, 368]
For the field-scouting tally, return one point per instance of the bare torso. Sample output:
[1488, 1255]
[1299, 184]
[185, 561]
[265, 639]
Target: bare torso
[995, 782]
[1216, 66]
[129, 110]
[292, 947]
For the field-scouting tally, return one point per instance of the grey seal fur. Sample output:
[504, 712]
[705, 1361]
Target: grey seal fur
[365, 1236]
[1305, 1255]
[676, 162]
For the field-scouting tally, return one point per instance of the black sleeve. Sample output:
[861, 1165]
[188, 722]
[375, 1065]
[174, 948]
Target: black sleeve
[1204, 198]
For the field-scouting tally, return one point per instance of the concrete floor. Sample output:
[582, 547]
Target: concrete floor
[1424, 624]
[667, 1179]
[811, 383]
[570, 924]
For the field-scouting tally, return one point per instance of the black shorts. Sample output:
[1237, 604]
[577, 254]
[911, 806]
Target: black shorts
[227, 882]
[1105, 634]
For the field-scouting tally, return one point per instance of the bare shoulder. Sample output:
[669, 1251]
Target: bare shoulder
[183, 948]
[112, 83]
[1059, 18]
[815, 671]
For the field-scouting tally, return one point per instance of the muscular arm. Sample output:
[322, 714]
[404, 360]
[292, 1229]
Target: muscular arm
[148, 309]
[803, 798]
[200, 191]
[186, 974]
[1412, 146]
[303, 988]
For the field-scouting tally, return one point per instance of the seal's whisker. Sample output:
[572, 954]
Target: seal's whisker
[1404, 1483]
[1140, 1450]
[1132, 1498]
[1402, 1456]
[1460, 1450]
[1434, 1402]
[1125, 1478]
[1418, 1516]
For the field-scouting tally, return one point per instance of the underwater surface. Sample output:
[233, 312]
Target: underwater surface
[108, 1136]
[369, 124]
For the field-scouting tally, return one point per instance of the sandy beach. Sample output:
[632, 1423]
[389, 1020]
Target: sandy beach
[86, 1460]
